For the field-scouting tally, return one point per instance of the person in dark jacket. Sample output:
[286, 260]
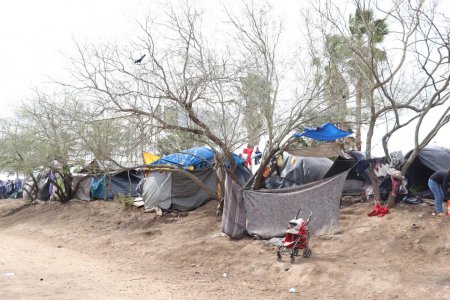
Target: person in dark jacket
[439, 182]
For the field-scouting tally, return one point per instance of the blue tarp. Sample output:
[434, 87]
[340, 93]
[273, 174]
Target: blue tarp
[123, 183]
[326, 132]
[98, 187]
[196, 157]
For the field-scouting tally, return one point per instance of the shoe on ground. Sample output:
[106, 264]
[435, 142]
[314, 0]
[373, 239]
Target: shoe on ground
[441, 214]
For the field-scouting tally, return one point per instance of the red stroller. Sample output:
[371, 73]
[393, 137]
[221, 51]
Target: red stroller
[297, 237]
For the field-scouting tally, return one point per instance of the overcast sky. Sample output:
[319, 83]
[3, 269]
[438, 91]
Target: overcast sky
[37, 35]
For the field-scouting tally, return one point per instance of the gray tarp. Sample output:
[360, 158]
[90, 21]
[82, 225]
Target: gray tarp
[83, 192]
[44, 189]
[233, 218]
[157, 189]
[269, 211]
[124, 183]
[187, 195]
[435, 157]
[27, 188]
[301, 170]
[177, 190]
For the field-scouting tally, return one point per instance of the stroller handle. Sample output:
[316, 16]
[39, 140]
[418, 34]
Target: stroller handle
[309, 218]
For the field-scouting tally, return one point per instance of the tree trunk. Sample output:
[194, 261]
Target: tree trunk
[358, 109]
[259, 175]
[375, 184]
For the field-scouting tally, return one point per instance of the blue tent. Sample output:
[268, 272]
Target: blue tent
[123, 183]
[326, 132]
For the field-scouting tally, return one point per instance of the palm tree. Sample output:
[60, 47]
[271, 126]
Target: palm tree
[366, 34]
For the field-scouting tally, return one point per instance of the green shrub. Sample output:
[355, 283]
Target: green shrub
[125, 201]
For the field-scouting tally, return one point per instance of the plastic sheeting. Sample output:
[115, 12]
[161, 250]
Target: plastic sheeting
[98, 187]
[83, 192]
[157, 189]
[326, 132]
[195, 157]
[357, 178]
[123, 183]
[429, 160]
[44, 189]
[299, 170]
[186, 195]
[183, 193]
[243, 174]
[149, 157]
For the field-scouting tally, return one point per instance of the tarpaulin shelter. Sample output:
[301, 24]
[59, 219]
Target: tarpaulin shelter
[299, 170]
[107, 180]
[177, 191]
[83, 182]
[111, 185]
[266, 213]
[357, 179]
[429, 160]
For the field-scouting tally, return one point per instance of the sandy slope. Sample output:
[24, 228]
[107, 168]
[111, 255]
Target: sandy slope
[97, 251]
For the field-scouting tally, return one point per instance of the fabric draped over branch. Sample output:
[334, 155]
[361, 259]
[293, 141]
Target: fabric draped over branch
[266, 213]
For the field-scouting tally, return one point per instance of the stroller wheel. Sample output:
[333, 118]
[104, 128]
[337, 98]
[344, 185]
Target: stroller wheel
[295, 251]
[292, 259]
[307, 252]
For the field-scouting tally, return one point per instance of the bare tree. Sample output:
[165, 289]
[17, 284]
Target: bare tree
[258, 35]
[414, 77]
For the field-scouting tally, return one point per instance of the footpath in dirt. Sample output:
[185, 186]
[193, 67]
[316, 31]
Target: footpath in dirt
[96, 250]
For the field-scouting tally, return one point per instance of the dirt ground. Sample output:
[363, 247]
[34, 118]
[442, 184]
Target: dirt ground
[96, 250]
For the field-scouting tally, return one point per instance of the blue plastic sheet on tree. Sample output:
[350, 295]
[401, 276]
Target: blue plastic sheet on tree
[326, 132]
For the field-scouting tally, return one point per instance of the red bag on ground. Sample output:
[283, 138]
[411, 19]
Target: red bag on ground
[379, 210]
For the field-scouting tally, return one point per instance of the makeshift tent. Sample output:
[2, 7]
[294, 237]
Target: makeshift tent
[429, 160]
[266, 213]
[84, 186]
[44, 192]
[357, 179]
[299, 170]
[109, 186]
[177, 191]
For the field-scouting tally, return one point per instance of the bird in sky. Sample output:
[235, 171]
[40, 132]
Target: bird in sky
[138, 61]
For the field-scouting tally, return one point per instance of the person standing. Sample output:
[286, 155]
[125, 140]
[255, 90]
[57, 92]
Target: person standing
[257, 156]
[439, 182]
[248, 159]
